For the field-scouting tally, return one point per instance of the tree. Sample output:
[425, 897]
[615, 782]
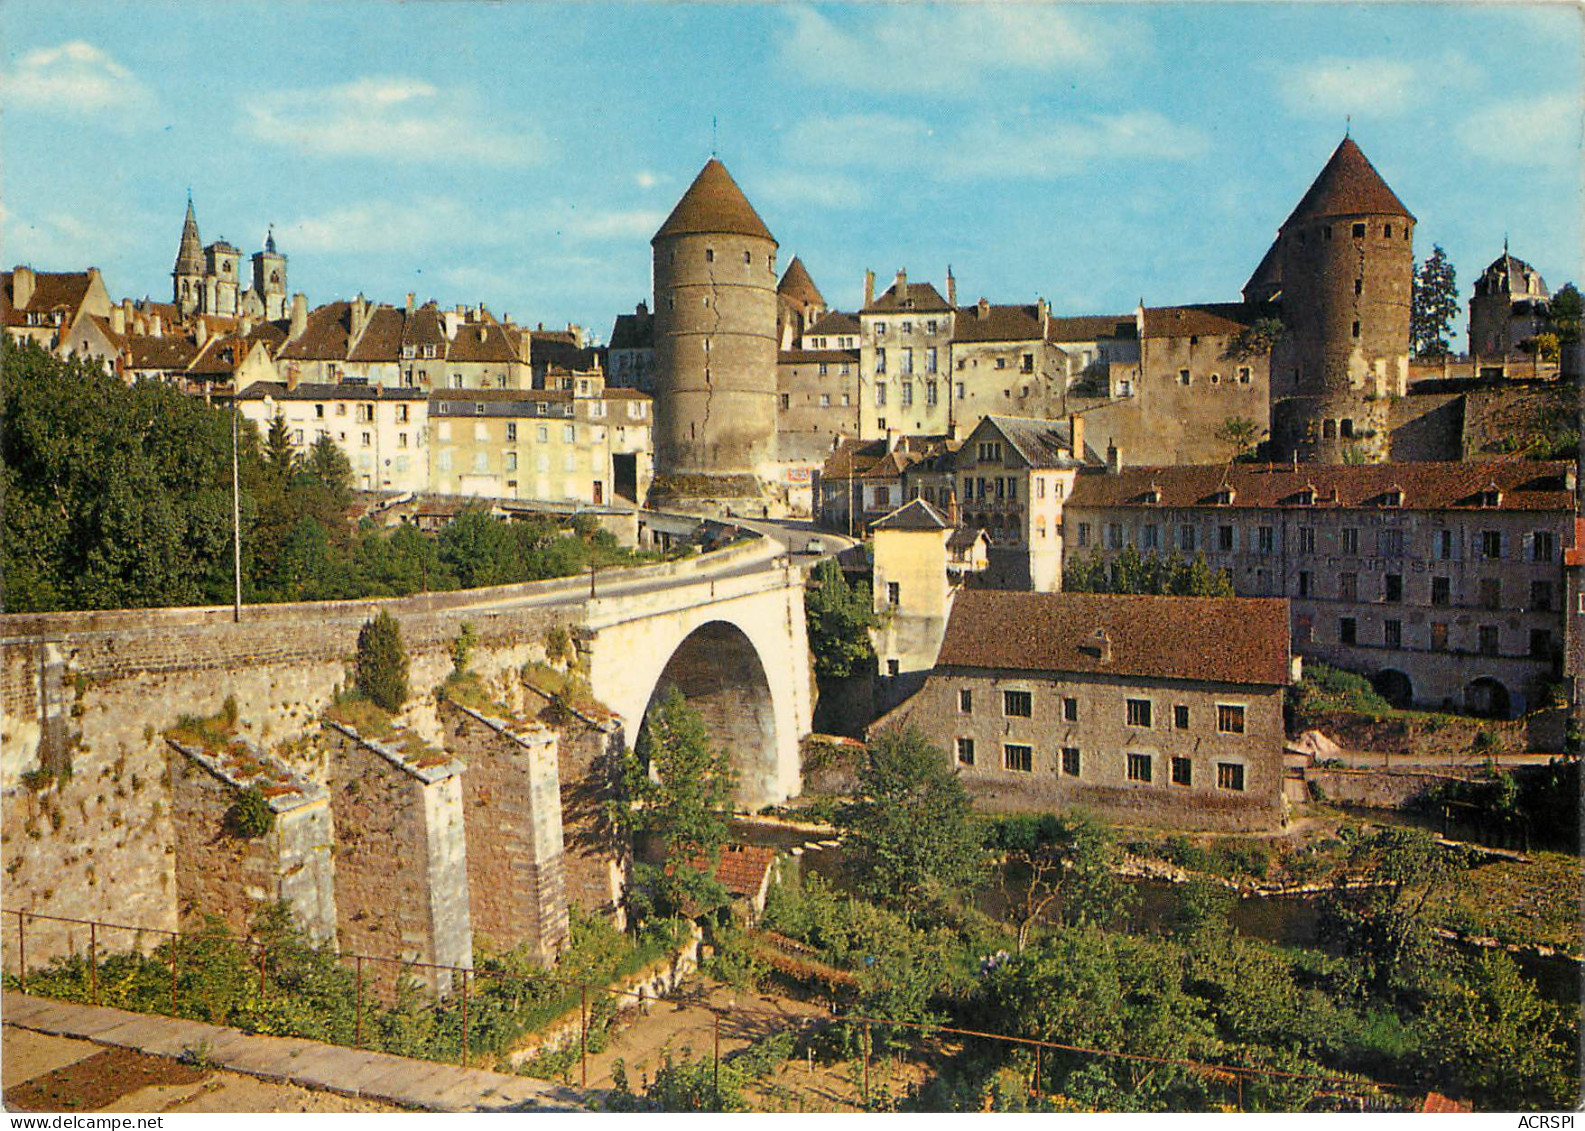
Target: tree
[382, 663]
[1130, 572]
[839, 617]
[481, 549]
[1066, 864]
[1239, 433]
[1566, 309]
[278, 454]
[1256, 339]
[911, 837]
[1433, 305]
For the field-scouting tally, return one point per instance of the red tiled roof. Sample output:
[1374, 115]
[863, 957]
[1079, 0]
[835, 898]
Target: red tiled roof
[325, 336]
[714, 204]
[1348, 186]
[922, 297]
[1526, 485]
[1220, 639]
[1090, 327]
[1179, 321]
[742, 868]
[796, 283]
[799, 357]
[1000, 324]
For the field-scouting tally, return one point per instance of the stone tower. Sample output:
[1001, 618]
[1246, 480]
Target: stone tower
[799, 304]
[222, 288]
[1345, 259]
[1510, 305]
[269, 278]
[187, 278]
[715, 343]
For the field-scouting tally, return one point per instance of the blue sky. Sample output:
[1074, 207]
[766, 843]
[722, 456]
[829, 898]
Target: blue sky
[522, 155]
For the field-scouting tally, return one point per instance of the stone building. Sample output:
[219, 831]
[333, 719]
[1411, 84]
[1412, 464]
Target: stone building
[1509, 307]
[1158, 710]
[862, 481]
[1343, 275]
[208, 280]
[1443, 582]
[382, 431]
[46, 306]
[912, 592]
[1014, 475]
[1001, 364]
[1574, 616]
[715, 343]
[905, 350]
[817, 394]
[630, 355]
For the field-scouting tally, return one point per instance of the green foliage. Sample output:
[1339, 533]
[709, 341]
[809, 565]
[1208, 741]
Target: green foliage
[1257, 339]
[250, 816]
[1239, 433]
[1130, 572]
[1565, 313]
[1433, 304]
[911, 838]
[839, 618]
[1325, 688]
[382, 663]
[1058, 868]
[462, 649]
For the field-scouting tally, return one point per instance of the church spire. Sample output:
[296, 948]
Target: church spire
[190, 255]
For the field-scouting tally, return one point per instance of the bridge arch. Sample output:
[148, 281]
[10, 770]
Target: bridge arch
[1394, 686]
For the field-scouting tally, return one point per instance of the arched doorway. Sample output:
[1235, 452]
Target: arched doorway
[1487, 698]
[1395, 687]
[718, 671]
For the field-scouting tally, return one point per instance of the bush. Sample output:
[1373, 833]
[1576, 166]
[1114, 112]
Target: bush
[250, 816]
[382, 663]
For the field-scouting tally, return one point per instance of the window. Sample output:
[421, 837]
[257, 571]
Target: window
[1243, 374]
[1392, 588]
[709, 255]
[880, 363]
[511, 461]
[1444, 544]
[965, 752]
[907, 398]
[880, 394]
[1139, 767]
[1359, 286]
[1001, 363]
[786, 401]
[1018, 704]
[883, 496]
[1355, 330]
[1306, 539]
[1304, 629]
[1182, 771]
[1028, 365]
[880, 329]
[894, 593]
[341, 410]
[1265, 539]
[1348, 587]
[1084, 534]
[542, 434]
[1229, 718]
[965, 701]
[907, 358]
[1114, 535]
[1138, 712]
[893, 667]
[1070, 761]
[319, 412]
[1149, 537]
[1304, 583]
[1441, 591]
[511, 432]
[1491, 593]
[930, 360]
[569, 433]
[1184, 377]
[1224, 539]
[1186, 539]
[1389, 543]
[1489, 640]
[930, 394]
[1230, 775]
[1491, 544]
[1347, 630]
[908, 327]
[1359, 231]
[1541, 596]
[1541, 546]
[297, 437]
[1350, 540]
[1180, 716]
[1070, 709]
[1392, 633]
[1439, 636]
[1019, 759]
[1540, 643]
[368, 440]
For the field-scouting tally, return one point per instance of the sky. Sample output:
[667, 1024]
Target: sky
[522, 155]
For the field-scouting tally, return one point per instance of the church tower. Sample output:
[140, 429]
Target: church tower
[1345, 260]
[187, 278]
[715, 343]
[269, 278]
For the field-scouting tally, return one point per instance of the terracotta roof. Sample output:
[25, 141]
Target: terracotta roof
[1526, 485]
[272, 334]
[1090, 328]
[478, 342]
[858, 457]
[1437, 1103]
[1178, 321]
[1041, 443]
[834, 322]
[1348, 185]
[914, 515]
[922, 297]
[167, 354]
[1575, 554]
[742, 867]
[324, 338]
[1267, 275]
[52, 290]
[381, 339]
[1220, 639]
[714, 204]
[220, 356]
[423, 328]
[796, 283]
[798, 357]
[1000, 324]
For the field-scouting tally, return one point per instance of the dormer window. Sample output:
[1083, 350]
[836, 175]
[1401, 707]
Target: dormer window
[1491, 496]
[1392, 497]
[1152, 495]
[1225, 497]
[1306, 497]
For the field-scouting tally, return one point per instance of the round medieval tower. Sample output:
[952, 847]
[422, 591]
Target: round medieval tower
[1347, 269]
[715, 343]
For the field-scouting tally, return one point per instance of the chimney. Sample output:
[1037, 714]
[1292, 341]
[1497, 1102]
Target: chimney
[952, 289]
[156, 330]
[360, 317]
[452, 319]
[901, 285]
[1076, 435]
[1043, 313]
[869, 289]
[293, 376]
[118, 320]
[126, 310]
[642, 309]
[1101, 645]
[954, 513]
[892, 439]
[577, 334]
[299, 321]
[22, 283]
[983, 310]
[410, 298]
[1114, 460]
[246, 326]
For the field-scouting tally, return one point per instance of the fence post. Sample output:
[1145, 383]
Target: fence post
[583, 1033]
[465, 1018]
[357, 1037]
[22, 948]
[93, 961]
[1040, 1061]
[715, 1064]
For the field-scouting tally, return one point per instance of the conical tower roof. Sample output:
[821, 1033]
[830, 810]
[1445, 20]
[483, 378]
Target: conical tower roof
[190, 255]
[796, 284]
[714, 204]
[1348, 186]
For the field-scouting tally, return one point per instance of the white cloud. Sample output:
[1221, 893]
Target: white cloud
[392, 119]
[632, 223]
[1547, 130]
[78, 78]
[797, 186]
[378, 225]
[647, 179]
[66, 241]
[1371, 86]
[919, 48]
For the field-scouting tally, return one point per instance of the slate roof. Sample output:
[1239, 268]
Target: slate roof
[1000, 324]
[1510, 275]
[1348, 185]
[923, 298]
[1041, 443]
[713, 204]
[1090, 328]
[1526, 485]
[800, 357]
[1218, 639]
[633, 332]
[796, 283]
[914, 515]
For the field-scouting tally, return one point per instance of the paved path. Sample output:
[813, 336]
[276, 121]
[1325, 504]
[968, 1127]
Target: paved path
[421, 1084]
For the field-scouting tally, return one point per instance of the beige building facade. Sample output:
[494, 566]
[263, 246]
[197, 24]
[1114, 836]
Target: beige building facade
[382, 432]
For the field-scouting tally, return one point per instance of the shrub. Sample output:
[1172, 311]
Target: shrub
[462, 649]
[250, 816]
[382, 663]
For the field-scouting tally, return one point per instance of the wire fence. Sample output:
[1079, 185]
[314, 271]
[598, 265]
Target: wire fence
[1348, 1091]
